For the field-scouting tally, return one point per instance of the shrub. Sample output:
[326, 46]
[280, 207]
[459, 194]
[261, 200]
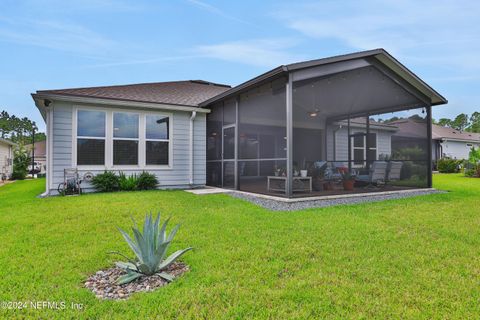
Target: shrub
[106, 182]
[448, 165]
[20, 164]
[150, 249]
[127, 183]
[147, 181]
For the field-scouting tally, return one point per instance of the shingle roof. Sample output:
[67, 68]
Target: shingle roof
[412, 128]
[439, 132]
[185, 93]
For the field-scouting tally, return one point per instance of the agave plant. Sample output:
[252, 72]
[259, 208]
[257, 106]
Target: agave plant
[150, 249]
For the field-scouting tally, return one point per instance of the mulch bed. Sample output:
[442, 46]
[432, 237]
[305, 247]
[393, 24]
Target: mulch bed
[103, 283]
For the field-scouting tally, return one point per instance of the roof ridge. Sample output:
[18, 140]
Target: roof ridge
[203, 82]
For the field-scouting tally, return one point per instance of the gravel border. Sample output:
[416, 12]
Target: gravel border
[277, 205]
[103, 283]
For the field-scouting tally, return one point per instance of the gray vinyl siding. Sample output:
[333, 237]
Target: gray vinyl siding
[338, 141]
[6, 153]
[175, 177]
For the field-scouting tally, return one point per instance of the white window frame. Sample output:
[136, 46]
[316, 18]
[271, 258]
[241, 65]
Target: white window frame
[364, 148]
[169, 140]
[109, 140]
[126, 166]
[76, 137]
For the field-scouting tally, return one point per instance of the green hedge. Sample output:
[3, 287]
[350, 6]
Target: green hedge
[448, 165]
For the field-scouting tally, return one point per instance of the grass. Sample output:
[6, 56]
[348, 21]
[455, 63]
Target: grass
[409, 258]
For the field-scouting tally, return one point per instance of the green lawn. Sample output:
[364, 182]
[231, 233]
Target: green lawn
[409, 258]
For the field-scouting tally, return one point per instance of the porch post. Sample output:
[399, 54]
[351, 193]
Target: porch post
[367, 145]
[429, 146]
[289, 109]
[349, 146]
[237, 144]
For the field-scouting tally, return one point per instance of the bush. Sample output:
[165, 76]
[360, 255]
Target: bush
[20, 164]
[106, 182]
[448, 165]
[127, 183]
[147, 181]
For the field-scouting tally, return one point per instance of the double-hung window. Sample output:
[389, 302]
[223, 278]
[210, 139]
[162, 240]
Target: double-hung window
[157, 139]
[91, 137]
[125, 138]
[361, 147]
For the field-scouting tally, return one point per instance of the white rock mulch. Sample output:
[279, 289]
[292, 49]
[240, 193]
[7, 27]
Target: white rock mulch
[103, 283]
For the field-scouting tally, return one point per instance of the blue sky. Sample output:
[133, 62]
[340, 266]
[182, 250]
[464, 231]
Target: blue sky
[73, 43]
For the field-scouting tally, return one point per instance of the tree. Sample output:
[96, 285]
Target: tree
[21, 162]
[445, 122]
[474, 122]
[460, 122]
[19, 130]
[5, 124]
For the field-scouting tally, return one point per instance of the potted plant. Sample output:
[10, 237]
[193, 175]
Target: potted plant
[348, 181]
[317, 171]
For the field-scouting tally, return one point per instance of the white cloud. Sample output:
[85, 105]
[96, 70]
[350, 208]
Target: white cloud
[55, 35]
[259, 52]
[445, 32]
[216, 10]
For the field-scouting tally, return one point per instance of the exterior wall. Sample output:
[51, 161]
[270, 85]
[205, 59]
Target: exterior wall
[457, 149]
[62, 153]
[340, 144]
[6, 153]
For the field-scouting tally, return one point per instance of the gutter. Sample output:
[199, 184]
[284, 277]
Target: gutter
[192, 119]
[116, 102]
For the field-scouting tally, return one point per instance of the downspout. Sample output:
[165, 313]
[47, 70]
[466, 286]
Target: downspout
[192, 119]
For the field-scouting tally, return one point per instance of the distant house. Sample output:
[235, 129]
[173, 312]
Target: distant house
[40, 155]
[446, 142]
[6, 158]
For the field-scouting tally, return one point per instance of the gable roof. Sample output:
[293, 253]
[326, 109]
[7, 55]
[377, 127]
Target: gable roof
[377, 56]
[40, 148]
[183, 93]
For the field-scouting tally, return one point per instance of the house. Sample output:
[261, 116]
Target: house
[446, 142]
[6, 158]
[452, 143]
[40, 154]
[280, 133]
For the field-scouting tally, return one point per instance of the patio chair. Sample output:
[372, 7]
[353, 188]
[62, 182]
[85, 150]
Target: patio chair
[393, 171]
[377, 173]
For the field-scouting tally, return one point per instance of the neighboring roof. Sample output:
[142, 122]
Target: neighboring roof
[444, 133]
[361, 123]
[40, 148]
[5, 141]
[183, 93]
[380, 55]
[412, 128]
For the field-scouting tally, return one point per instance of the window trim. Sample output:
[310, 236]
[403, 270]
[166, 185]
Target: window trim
[76, 137]
[109, 139]
[169, 140]
[364, 148]
[133, 166]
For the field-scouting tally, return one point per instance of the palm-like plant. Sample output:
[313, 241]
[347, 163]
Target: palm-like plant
[150, 249]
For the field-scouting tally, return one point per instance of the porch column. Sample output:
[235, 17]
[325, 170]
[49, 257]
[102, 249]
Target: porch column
[289, 109]
[429, 146]
[349, 146]
[237, 145]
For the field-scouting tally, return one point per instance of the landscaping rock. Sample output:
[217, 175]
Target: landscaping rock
[103, 283]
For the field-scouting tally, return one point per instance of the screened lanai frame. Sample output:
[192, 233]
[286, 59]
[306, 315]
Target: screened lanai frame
[286, 79]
